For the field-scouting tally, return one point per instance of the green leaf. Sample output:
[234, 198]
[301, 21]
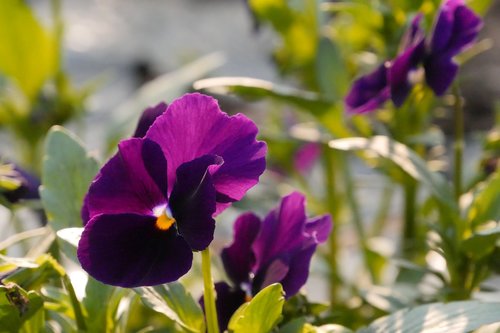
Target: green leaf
[19, 310]
[405, 158]
[486, 203]
[256, 89]
[99, 317]
[300, 325]
[481, 243]
[66, 175]
[454, 317]
[261, 314]
[330, 70]
[28, 52]
[175, 302]
[69, 238]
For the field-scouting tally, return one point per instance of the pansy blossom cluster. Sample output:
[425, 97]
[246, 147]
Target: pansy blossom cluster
[277, 249]
[455, 29]
[152, 204]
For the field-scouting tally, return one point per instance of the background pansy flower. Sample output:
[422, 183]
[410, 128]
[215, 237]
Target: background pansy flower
[455, 29]
[277, 249]
[28, 183]
[144, 216]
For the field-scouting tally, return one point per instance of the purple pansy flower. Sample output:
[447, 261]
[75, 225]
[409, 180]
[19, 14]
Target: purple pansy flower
[306, 156]
[28, 188]
[455, 29]
[277, 249]
[152, 203]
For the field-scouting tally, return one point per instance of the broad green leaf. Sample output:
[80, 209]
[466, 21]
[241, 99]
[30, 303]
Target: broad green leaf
[486, 203]
[18, 308]
[454, 317]
[481, 243]
[67, 172]
[261, 314]
[175, 302]
[405, 158]
[259, 89]
[33, 273]
[331, 70]
[28, 52]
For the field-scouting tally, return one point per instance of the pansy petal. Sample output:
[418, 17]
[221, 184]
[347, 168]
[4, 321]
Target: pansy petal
[282, 230]
[193, 126]
[439, 73]
[275, 272]
[238, 258]
[227, 302]
[306, 156]
[369, 92]
[193, 201]
[465, 29]
[127, 250]
[319, 228]
[443, 28]
[132, 181]
[147, 118]
[298, 271]
[28, 189]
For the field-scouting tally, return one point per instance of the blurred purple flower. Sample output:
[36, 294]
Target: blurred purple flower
[277, 249]
[455, 30]
[152, 203]
[306, 156]
[28, 189]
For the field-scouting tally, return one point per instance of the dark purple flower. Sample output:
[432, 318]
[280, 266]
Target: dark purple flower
[411, 55]
[28, 185]
[455, 29]
[277, 249]
[369, 92]
[152, 203]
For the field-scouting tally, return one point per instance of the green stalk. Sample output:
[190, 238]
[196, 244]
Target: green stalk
[79, 317]
[332, 206]
[458, 145]
[209, 293]
[410, 226]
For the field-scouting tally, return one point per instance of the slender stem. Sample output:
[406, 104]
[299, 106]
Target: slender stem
[410, 226]
[18, 237]
[458, 144]
[80, 318]
[209, 293]
[332, 206]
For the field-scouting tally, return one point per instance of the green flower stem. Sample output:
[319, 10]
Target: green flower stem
[410, 226]
[332, 207]
[79, 317]
[209, 293]
[458, 145]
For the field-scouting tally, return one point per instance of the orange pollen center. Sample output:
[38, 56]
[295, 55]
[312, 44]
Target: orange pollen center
[163, 222]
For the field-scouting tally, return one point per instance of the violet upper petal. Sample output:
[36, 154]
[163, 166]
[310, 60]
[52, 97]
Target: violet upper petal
[368, 92]
[127, 250]
[134, 180]
[274, 272]
[456, 28]
[147, 118]
[193, 126]
[281, 231]
[319, 228]
[193, 201]
[238, 258]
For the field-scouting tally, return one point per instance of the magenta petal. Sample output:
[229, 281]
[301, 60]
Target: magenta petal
[275, 272]
[369, 92]
[282, 230]
[238, 258]
[306, 156]
[193, 126]
[127, 250]
[193, 201]
[147, 118]
[134, 180]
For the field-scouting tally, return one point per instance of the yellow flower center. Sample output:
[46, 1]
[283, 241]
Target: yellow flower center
[164, 222]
